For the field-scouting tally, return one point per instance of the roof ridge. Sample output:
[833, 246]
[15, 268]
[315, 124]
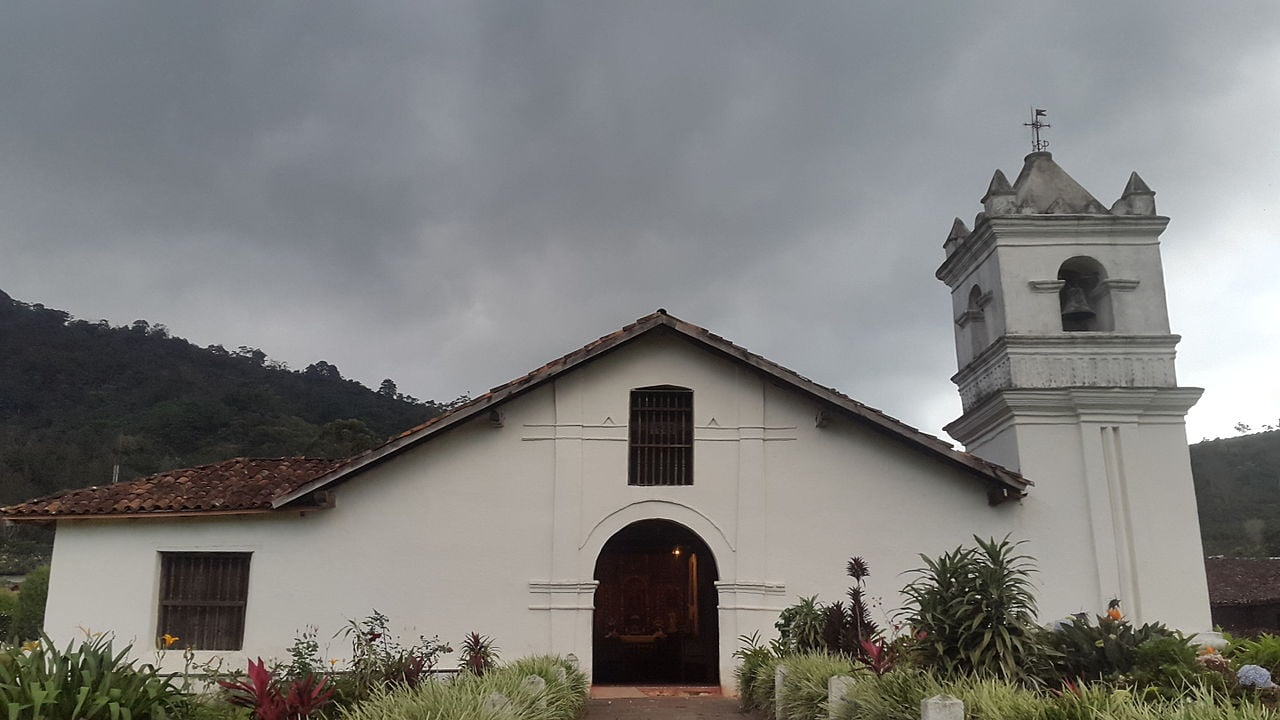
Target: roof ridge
[995, 473]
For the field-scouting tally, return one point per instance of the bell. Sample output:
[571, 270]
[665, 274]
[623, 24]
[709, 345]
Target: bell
[1075, 306]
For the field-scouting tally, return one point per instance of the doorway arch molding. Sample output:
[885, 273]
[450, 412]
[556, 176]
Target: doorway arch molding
[698, 523]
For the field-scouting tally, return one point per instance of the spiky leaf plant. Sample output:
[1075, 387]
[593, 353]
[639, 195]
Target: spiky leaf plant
[976, 609]
[848, 628]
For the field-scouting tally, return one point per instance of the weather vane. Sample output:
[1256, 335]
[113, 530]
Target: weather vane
[1037, 145]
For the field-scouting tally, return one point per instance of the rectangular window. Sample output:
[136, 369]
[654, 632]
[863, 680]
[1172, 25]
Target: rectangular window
[202, 598]
[661, 435]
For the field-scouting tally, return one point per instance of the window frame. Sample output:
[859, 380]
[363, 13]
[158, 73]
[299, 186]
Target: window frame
[660, 437]
[187, 612]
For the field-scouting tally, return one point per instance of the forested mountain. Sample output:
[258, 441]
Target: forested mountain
[1238, 491]
[78, 398]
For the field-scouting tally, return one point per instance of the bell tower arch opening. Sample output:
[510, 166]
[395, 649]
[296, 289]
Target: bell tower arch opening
[1084, 299]
[656, 617]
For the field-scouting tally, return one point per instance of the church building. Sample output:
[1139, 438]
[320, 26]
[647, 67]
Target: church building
[646, 499]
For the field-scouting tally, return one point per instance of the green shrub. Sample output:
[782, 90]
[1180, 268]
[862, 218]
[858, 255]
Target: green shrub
[1083, 650]
[760, 695]
[1167, 667]
[28, 615]
[8, 604]
[976, 610]
[1103, 702]
[896, 695]
[995, 699]
[753, 658]
[800, 626]
[804, 691]
[88, 682]
[1263, 651]
[472, 697]
[378, 660]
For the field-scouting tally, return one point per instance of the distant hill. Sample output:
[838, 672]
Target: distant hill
[78, 398]
[1238, 491]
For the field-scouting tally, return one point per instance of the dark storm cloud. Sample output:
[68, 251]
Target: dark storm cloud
[450, 194]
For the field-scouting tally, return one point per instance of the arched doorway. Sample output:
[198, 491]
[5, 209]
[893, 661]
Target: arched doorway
[656, 618]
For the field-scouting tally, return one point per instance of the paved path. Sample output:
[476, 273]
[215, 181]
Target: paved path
[665, 708]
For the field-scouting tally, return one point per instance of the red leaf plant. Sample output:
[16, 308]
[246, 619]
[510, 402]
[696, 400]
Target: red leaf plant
[878, 655]
[271, 699]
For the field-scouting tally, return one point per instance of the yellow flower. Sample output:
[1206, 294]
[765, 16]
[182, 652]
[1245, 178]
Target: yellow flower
[169, 640]
[30, 645]
[333, 662]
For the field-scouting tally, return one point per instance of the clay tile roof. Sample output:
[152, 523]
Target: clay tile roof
[239, 485]
[1243, 581]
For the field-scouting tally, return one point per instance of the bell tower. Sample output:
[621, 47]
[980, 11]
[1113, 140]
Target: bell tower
[1066, 373]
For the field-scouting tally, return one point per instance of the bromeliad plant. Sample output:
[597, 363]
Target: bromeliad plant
[976, 610]
[479, 655]
[91, 681]
[273, 698]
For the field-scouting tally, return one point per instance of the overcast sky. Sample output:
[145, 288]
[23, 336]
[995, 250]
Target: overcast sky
[450, 194]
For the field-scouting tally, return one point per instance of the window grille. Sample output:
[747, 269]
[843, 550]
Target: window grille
[203, 597]
[661, 434]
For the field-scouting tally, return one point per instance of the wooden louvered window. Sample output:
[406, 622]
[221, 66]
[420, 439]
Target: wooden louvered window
[661, 431]
[202, 599]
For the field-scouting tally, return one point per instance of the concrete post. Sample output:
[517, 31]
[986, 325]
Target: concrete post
[941, 707]
[779, 679]
[837, 687]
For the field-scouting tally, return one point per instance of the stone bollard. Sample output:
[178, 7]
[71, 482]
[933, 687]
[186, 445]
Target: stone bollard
[779, 679]
[941, 707]
[837, 687]
[537, 686]
[496, 702]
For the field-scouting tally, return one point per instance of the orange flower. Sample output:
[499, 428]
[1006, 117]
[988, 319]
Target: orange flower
[1208, 650]
[169, 640]
[1115, 614]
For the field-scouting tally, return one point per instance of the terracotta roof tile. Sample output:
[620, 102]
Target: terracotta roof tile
[238, 485]
[1243, 581]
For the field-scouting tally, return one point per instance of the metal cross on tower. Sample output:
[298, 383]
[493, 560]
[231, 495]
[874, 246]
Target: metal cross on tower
[1037, 145]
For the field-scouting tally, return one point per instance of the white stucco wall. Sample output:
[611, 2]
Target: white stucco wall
[497, 529]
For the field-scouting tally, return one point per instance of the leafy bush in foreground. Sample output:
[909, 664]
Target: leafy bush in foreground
[755, 659]
[976, 609]
[1263, 650]
[502, 694]
[88, 682]
[804, 691]
[28, 614]
[1104, 649]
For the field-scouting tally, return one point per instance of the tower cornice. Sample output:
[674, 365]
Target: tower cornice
[1070, 406]
[1047, 230]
